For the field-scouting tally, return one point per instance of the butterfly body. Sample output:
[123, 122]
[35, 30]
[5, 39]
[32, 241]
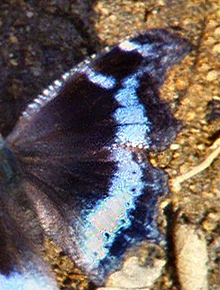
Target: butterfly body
[78, 160]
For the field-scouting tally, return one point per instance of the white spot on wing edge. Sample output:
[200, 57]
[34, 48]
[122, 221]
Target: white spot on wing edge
[146, 50]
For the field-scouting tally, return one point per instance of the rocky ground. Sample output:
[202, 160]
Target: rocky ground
[41, 39]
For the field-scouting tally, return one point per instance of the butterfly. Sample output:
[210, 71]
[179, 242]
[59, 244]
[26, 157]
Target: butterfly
[73, 168]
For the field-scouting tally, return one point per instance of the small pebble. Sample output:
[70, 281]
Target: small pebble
[191, 258]
[212, 75]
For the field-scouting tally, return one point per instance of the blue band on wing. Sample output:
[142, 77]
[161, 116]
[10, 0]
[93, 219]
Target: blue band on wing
[75, 165]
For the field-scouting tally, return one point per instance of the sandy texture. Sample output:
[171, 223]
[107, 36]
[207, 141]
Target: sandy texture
[39, 41]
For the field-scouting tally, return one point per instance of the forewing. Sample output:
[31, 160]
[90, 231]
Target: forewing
[78, 145]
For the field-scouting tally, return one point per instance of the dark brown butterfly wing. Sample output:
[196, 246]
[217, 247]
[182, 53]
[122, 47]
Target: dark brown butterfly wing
[79, 147]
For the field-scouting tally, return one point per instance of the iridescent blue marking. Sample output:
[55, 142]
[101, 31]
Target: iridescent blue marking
[105, 82]
[112, 214]
[131, 116]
